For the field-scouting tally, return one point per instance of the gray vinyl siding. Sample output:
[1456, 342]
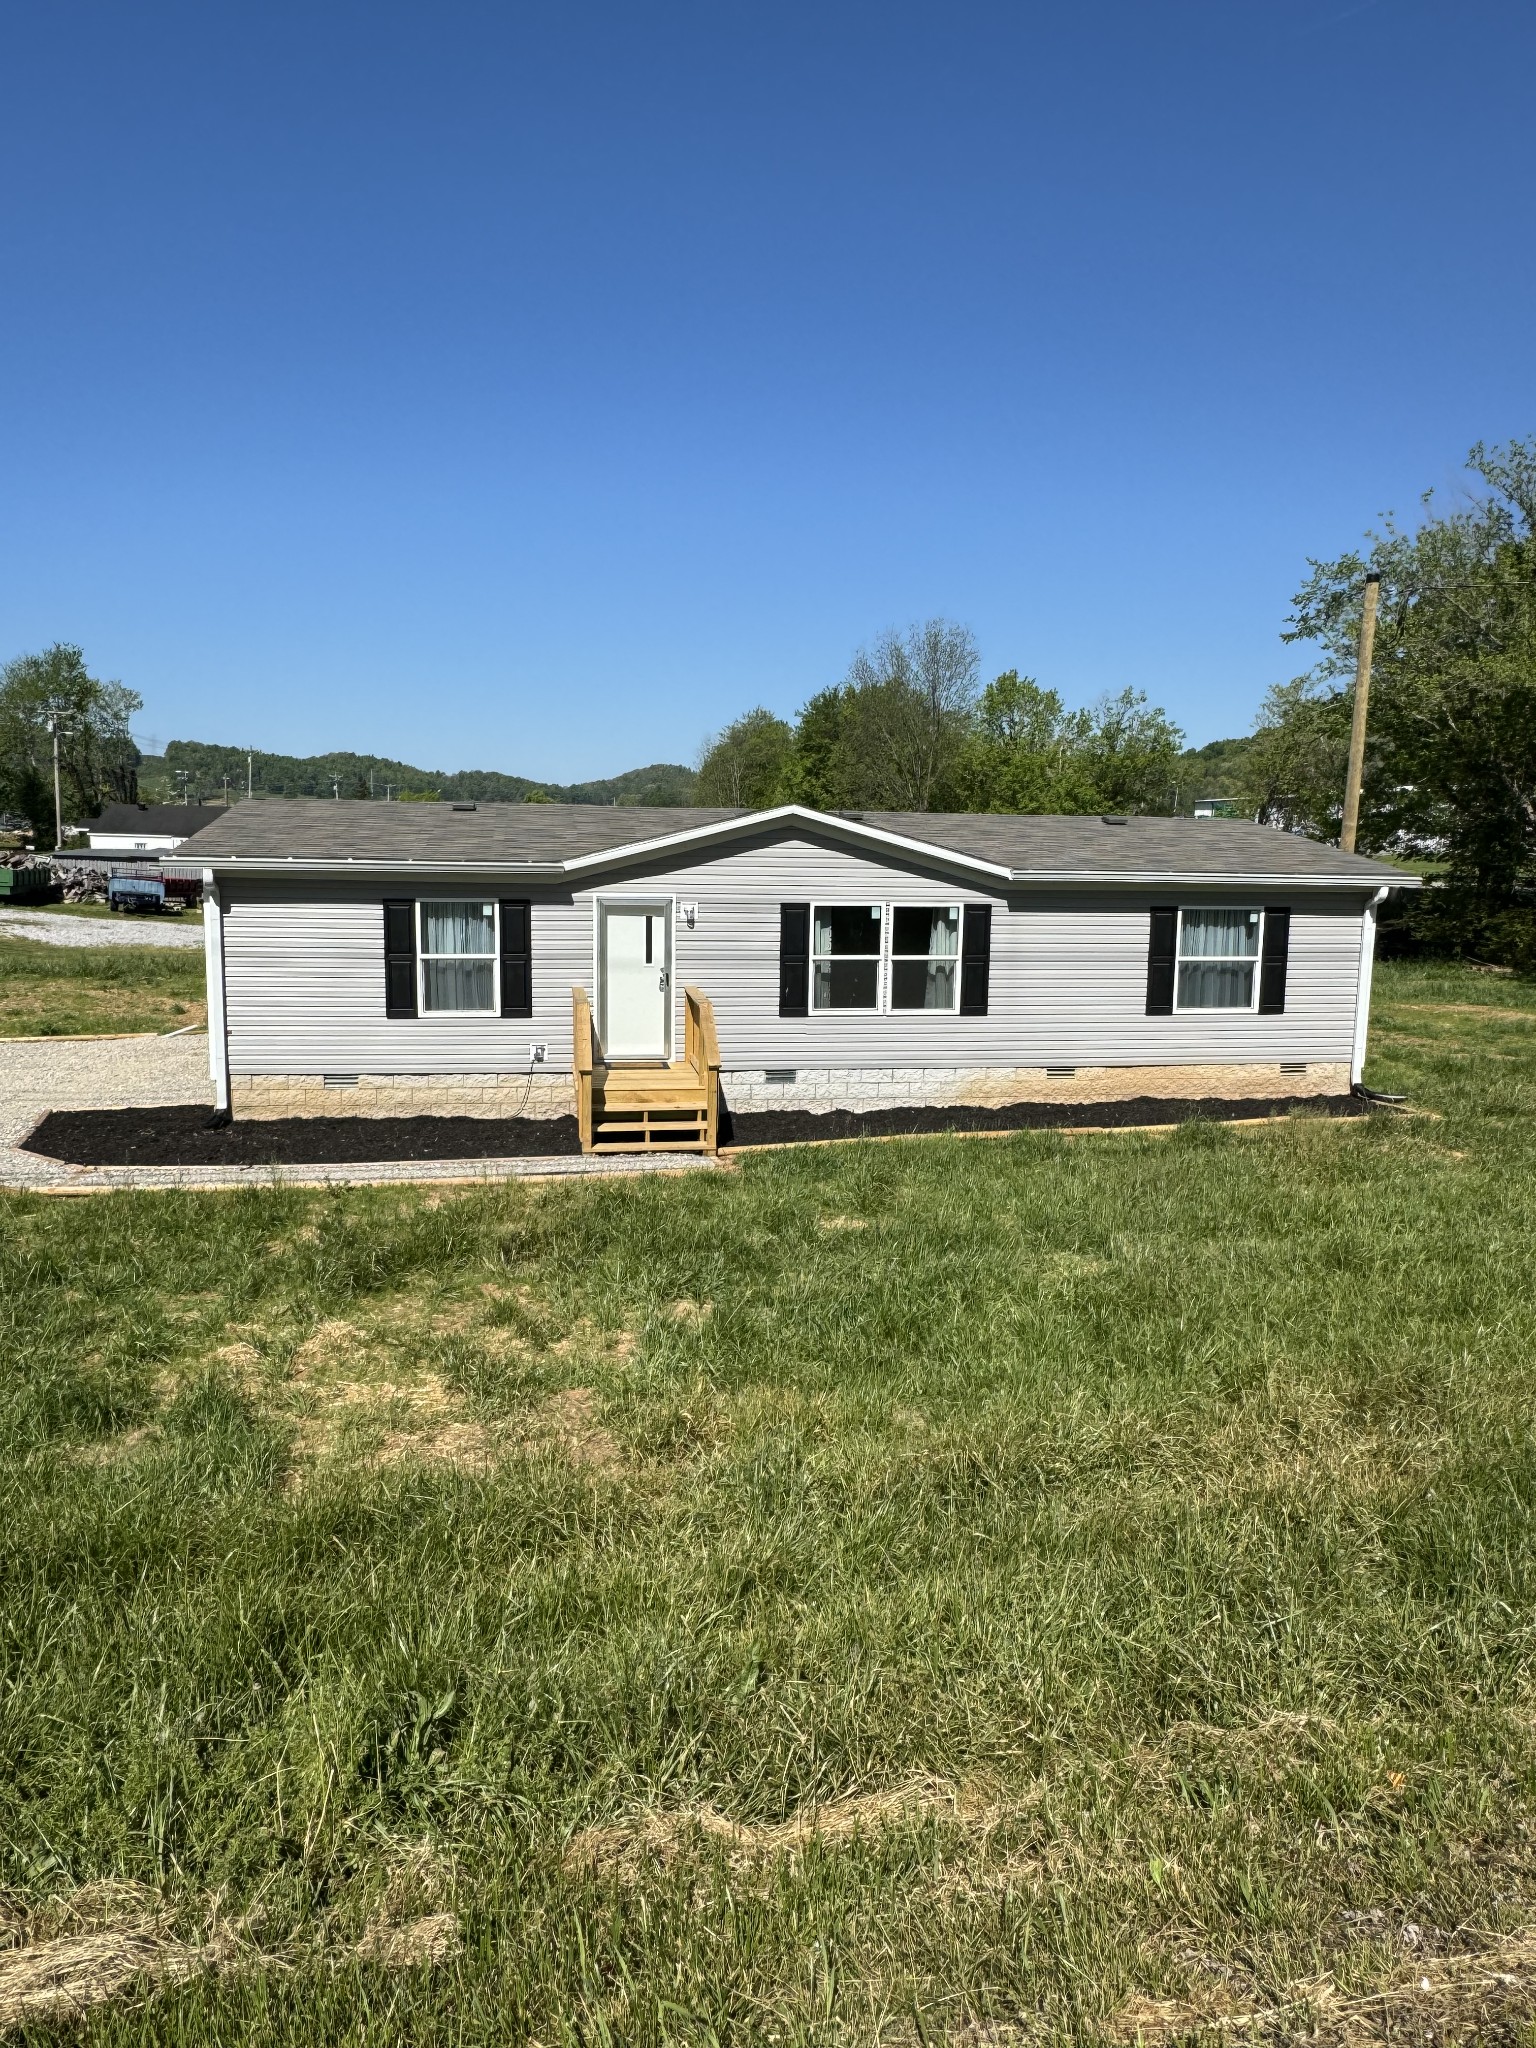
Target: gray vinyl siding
[305, 976]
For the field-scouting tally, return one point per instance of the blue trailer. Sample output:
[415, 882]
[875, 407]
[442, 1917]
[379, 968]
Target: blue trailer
[135, 892]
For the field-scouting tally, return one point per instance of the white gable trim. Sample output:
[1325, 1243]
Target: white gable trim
[814, 821]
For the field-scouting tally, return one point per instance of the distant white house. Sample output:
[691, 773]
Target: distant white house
[1219, 807]
[148, 828]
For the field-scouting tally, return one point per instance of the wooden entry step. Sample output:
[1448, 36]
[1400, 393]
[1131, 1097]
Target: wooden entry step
[671, 1106]
[651, 1109]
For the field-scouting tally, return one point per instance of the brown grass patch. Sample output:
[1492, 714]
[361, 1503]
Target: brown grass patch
[626, 1847]
[330, 1344]
[843, 1222]
[111, 1450]
[693, 1313]
[586, 1338]
[1482, 1994]
[95, 1945]
[465, 1445]
[1472, 1010]
[569, 1421]
[434, 1938]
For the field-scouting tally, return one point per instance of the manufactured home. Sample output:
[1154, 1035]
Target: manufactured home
[646, 969]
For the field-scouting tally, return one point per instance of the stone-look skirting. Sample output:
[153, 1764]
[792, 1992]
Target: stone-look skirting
[749, 1090]
[547, 1094]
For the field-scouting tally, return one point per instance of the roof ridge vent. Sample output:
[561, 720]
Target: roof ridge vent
[465, 807]
[1105, 818]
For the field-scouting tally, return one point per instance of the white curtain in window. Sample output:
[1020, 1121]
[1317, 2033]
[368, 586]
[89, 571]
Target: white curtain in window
[458, 928]
[1218, 954]
[457, 984]
[1219, 934]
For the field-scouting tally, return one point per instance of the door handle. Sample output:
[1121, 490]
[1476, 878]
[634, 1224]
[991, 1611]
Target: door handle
[666, 980]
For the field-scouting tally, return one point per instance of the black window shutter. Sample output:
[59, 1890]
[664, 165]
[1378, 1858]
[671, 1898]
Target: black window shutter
[1162, 963]
[1277, 952]
[516, 957]
[975, 959]
[794, 959]
[400, 958]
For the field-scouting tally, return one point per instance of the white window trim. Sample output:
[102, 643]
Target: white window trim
[892, 956]
[882, 1005]
[1256, 959]
[423, 956]
[873, 1009]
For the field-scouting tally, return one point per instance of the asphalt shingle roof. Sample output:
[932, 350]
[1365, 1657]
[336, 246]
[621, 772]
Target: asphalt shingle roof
[315, 829]
[159, 818]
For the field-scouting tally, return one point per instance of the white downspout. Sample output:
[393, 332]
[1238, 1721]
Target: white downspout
[1363, 987]
[213, 959]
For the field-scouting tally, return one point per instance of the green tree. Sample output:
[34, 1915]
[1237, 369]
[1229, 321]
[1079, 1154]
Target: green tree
[1131, 752]
[909, 702]
[1028, 752]
[889, 736]
[1451, 758]
[815, 762]
[746, 765]
[98, 761]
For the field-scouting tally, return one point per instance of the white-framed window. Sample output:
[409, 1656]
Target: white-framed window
[885, 956]
[846, 951]
[458, 961]
[925, 957]
[1218, 958]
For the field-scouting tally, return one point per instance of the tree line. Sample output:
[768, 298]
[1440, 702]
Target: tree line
[1450, 770]
[1450, 763]
[912, 728]
[98, 760]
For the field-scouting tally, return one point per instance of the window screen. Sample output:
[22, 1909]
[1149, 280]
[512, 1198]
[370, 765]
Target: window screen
[458, 956]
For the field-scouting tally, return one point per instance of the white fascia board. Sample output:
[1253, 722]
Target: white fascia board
[819, 821]
[1168, 878]
[292, 864]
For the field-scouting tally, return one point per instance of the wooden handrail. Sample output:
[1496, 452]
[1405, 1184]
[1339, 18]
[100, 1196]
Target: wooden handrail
[581, 1063]
[702, 1050]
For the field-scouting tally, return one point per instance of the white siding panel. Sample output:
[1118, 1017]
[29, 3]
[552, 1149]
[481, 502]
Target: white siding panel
[305, 978]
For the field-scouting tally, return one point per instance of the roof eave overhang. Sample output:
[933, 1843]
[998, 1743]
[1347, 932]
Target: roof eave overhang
[1168, 878]
[295, 864]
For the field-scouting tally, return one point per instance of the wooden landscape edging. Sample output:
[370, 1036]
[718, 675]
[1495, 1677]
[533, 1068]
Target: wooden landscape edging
[1226, 1123]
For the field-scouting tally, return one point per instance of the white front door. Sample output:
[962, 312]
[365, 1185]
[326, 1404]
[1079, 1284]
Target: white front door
[637, 980]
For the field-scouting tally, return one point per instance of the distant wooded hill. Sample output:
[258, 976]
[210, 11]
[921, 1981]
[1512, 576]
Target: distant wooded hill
[206, 768]
[1212, 770]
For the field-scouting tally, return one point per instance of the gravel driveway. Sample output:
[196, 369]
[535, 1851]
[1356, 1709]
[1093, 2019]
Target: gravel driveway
[55, 928]
[89, 1073]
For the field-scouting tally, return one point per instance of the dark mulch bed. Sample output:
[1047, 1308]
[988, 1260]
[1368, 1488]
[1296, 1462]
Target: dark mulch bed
[802, 1126]
[183, 1135]
[180, 1136]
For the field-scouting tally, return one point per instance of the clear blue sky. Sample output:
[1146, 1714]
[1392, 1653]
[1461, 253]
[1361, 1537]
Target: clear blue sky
[538, 387]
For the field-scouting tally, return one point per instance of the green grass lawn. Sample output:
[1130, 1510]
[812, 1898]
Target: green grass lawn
[63, 991]
[949, 1592]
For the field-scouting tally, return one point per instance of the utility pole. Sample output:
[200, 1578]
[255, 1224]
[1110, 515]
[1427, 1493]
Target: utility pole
[389, 790]
[56, 720]
[1362, 700]
[226, 792]
[336, 787]
[249, 779]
